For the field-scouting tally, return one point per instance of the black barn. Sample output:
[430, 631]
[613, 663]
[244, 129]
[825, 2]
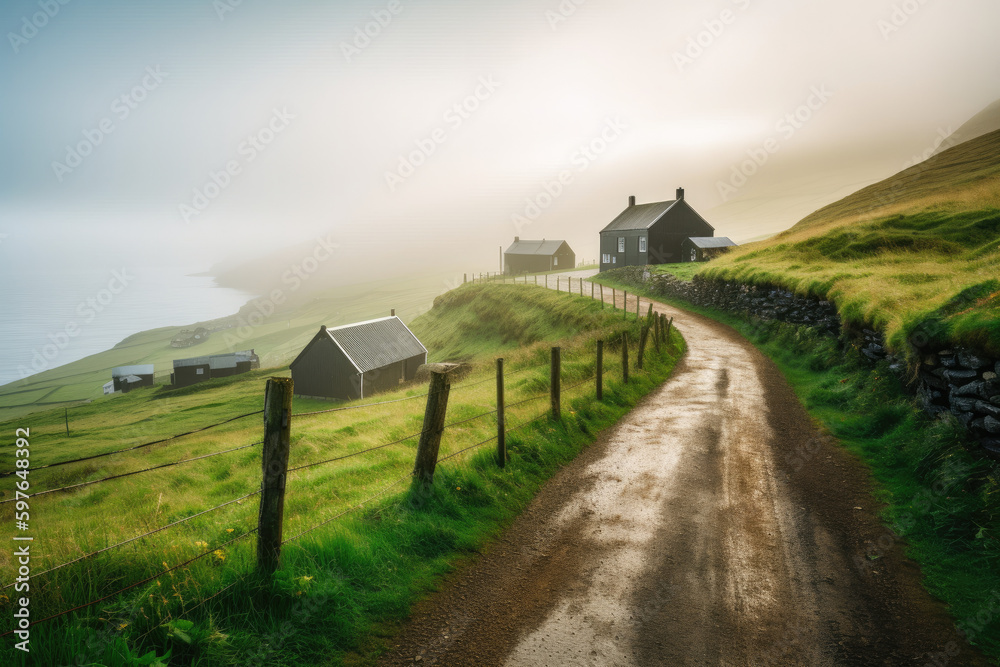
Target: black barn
[198, 369]
[537, 256]
[358, 360]
[651, 233]
[127, 378]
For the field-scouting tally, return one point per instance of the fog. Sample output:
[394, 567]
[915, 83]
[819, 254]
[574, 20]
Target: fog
[425, 135]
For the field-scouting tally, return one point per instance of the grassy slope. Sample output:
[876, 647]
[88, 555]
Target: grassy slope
[920, 249]
[276, 340]
[359, 574]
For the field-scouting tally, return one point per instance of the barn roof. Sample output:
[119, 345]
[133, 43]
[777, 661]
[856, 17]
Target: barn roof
[372, 344]
[640, 216]
[228, 360]
[140, 369]
[711, 241]
[543, 247]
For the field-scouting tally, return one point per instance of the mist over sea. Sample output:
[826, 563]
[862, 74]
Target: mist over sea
[56, 309]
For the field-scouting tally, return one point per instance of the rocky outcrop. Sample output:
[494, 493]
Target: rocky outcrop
[959, 381]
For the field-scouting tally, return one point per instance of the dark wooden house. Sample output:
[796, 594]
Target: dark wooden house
[537, 256]
[704, 248]
[358, 360]
[198, 369]
[127, 378]
[651, 233]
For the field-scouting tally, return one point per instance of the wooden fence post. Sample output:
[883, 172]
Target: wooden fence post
[465, 278]
[501, 428]
[591, 289]
[625, 304]
[546, 281]
[600, 370]
[434, 414]
[642, 347]
[554, 387]
[669, 324]
[274, 468]
[625, 357]
[602, 296]
[638, 304]
[581, 286]
[656, 329]
[614, 298]
[66, 415]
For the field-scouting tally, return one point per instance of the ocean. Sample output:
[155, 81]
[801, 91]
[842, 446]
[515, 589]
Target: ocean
[53, 314]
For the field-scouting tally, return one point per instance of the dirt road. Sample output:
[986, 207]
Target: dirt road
[714, 525]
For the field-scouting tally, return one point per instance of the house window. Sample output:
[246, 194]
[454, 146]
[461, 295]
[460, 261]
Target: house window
[694, 255]
[555, 261]
[606, 258]
[614, 260]
[199, 371]
[621, 244]
[642, 244]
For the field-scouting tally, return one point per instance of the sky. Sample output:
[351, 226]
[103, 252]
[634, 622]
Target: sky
[420, 133]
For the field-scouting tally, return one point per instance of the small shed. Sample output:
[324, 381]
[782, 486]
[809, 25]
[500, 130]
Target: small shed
[198, 369]
[537, 256]
[109, 387]
[357, 360]
[704, 248]
[127, 378]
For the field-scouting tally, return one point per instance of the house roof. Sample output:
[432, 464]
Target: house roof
[228, 360]
[542, 247]
[711, 241]
[141, 369]
[640, 216]
[372, 344]
[132, 378]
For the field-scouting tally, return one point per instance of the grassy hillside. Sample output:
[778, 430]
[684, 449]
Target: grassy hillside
[277, 336]
[918, 250]
[343, 585]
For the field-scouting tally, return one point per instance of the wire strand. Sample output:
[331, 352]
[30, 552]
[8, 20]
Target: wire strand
[352, 455]
[130, 449]
[134, 472]
[139, 537]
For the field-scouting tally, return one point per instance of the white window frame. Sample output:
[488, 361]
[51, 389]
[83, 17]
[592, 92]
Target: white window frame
[555, 261]
[621, 244]
[606, 258]
[642, 244]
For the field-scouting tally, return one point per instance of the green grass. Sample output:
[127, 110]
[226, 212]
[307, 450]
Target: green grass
[918, 251]
[683, 271]
[943, 498]
[343, 588]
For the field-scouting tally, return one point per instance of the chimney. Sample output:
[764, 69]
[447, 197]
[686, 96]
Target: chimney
[680, 193]
[322, 328]
[392, 313]
[517, 239]
[631, 201]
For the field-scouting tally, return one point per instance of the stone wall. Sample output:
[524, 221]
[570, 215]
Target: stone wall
[958, 380]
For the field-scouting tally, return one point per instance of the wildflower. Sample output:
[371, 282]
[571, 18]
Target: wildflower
[199, 544]
[229, 530]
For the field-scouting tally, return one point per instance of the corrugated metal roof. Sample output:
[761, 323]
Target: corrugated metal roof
[711, 241]
[640, 216]
[376, 343]
[193, 361]
[542, 247]
[132, 378]
[140, 369]
[228, 360]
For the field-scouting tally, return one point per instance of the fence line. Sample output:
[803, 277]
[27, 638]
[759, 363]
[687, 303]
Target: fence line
[433, 427]
[134, 472]
[130, 449]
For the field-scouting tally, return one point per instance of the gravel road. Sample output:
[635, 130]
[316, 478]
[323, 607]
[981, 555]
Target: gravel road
[713, 525]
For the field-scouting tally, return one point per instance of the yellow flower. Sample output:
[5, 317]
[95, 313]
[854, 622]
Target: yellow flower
[199, 544]
[229, 530]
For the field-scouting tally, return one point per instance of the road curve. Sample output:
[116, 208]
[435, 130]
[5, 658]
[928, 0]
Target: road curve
[713, 525]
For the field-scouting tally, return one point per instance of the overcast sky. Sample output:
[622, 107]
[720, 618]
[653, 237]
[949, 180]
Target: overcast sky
[430, 126]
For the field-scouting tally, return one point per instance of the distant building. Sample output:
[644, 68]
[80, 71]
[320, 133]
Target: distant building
[198, 369]
[109, 387]
[127, 378]
[704, 248]
[537, 256]
[651, 233]
[358, 360]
